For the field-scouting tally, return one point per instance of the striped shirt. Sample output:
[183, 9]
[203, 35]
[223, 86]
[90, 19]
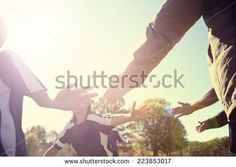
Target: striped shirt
[89, 138]
[16, 81]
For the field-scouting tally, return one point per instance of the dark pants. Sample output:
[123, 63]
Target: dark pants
[232, 132]
[2, 151]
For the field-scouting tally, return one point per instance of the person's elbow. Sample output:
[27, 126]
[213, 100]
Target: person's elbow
[42, 99]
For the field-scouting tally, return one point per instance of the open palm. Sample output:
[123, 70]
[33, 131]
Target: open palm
[184, 109]
[139, 114]
[72, 99]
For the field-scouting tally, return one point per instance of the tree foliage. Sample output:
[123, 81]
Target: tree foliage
[161, 134]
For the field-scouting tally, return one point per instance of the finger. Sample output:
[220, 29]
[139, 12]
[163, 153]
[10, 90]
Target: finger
[84, 103]
[176, 108]
[200, 122]
[112, 95]
[176, 111]
[89, 95]
[134, 106]
[84, 99]
[197, 127]
[86, 89]
[180, 115]
[109, 98]
[182, 103]
[108, 93]
[82, 90]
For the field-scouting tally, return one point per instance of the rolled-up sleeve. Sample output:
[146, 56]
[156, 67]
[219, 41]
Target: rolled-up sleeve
[217, 121]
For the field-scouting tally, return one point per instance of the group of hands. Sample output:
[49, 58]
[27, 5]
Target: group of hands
[74, 99]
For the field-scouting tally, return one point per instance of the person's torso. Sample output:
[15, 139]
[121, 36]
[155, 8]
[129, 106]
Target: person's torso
[86, 140]
[11, 100]
[220, 16]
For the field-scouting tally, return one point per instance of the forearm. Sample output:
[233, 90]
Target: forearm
[146, 58]
[42, 99]
[122, 119]
[218, 121]
[171, 23]
[208, 99]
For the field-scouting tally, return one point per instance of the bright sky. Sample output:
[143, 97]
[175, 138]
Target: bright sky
[53, 36]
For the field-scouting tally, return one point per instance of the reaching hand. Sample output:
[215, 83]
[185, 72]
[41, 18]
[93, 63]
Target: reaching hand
[139, 114]
[114, 94]
[202, 127]
[73, 99]
[184, 109]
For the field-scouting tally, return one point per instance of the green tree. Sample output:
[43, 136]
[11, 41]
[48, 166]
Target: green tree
[33, 144]
[214, 147]
[162, 131]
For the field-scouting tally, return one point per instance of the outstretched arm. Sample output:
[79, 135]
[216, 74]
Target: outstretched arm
[52, 151]
[186, 109]
[18, 77]
[66, 99]
[135, 115]
[171, 23]
[217, 121]
[208, 99]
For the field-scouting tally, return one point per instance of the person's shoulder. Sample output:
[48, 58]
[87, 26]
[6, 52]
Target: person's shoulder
[98, 119]
[7, 52]
[69, 125]
[6, 55]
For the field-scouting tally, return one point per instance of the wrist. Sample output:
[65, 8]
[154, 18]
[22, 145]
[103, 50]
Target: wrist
[194, 107]
[56, 105]
[130, 118]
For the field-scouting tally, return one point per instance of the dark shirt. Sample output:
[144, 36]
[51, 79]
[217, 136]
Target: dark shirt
[89, 138]
[217, 121]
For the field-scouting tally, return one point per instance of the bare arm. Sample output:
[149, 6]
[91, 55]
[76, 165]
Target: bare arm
[186, 109]
[66, 99]
[135, 115]
[52, 151]
[208, 99]
[122, 119]
[42, 99]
